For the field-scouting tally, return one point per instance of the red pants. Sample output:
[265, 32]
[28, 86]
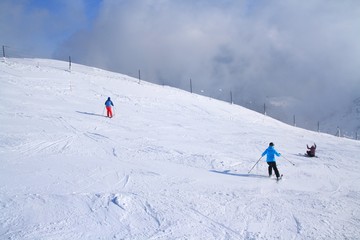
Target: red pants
[109, 112]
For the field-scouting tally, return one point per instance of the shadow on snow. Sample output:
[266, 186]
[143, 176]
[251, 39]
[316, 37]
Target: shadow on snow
[92, 114]
[227, 172]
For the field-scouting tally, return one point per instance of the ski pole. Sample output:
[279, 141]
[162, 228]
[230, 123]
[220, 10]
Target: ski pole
[288, 160]
[255, 164]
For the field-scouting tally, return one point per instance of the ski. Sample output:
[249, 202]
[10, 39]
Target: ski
[278, 179]
[305, 155]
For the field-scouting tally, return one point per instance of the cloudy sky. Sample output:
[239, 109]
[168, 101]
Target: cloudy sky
[298, 57]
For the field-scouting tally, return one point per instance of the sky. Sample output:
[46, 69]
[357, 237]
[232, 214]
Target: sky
[297, 57]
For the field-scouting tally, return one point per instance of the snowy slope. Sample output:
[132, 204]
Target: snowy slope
[348, 121]
[169, 165]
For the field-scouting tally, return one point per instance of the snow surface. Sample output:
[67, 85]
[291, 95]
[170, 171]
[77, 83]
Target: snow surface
[169, 165]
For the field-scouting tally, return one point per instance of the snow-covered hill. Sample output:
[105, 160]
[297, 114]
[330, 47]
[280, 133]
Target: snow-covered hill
[169, 165]
[348, 122]
[343, 121]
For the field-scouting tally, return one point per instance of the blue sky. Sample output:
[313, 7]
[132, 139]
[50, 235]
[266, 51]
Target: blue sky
[57, 7]
[36, 27]
[260, 50]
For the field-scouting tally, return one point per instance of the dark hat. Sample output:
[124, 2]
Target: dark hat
[271, 144]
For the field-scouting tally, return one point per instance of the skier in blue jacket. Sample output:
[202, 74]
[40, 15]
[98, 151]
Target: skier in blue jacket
[108, 105]
[270, 153]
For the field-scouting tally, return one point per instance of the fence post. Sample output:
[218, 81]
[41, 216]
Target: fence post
[69, 63]
[191, 90]
[338, 132]
[294, 120]
[264, 109]
[139, 76]
[318, 125]
[3, 48]
[231, 98]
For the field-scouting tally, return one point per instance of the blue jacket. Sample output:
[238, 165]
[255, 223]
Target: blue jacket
[109, 103]
[270, 154]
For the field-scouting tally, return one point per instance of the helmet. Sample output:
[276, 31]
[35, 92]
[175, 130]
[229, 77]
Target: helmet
[271, 144]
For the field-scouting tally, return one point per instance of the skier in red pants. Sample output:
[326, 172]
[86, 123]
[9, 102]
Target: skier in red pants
[108, 105]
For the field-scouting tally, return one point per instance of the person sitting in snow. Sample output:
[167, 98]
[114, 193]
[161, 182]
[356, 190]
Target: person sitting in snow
[311, 152]
[270, 153]
[108, 105]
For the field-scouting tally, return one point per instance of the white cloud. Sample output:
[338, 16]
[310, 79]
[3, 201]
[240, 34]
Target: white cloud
[304, 49]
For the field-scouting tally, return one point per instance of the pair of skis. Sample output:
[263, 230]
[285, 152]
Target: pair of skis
[279, 178]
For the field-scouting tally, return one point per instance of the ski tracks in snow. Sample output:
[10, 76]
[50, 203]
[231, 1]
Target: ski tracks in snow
[50, 147]
[138, 218]
[68, 139]
[120, 214]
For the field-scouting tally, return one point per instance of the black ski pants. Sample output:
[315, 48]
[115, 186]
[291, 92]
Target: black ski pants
[272, 165]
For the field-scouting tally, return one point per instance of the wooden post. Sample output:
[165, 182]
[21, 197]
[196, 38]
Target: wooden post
[139, 76]
[191, 90]
[69, 63]
[264, 109]
[3, 47]
[294, 121]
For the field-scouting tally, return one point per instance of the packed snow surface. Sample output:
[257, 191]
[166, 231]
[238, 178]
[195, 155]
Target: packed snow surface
[168, 165]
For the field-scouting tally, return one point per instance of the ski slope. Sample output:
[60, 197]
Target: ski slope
[169, 165]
